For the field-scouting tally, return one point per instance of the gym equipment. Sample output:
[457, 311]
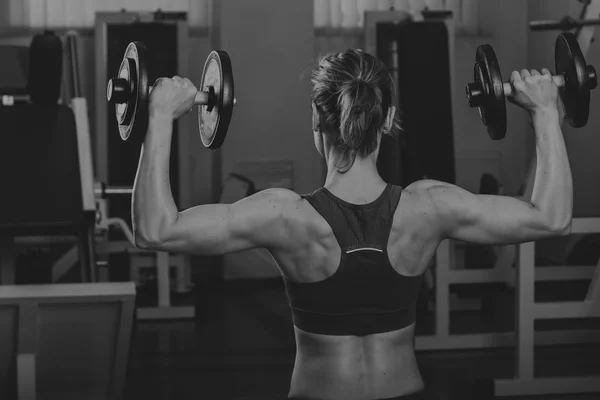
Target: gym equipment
[103, 314]
[102, 190]
[45, 68]
[573, 76]
[487, 92]
[528, 310]
[587, 17]
[565, 24]
[42, 63]
[130, 90]
[15, 61]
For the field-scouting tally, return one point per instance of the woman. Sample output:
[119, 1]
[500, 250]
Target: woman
[353, 252]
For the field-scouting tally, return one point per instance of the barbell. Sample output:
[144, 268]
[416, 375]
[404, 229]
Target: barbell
[573, 76]
[129, 91]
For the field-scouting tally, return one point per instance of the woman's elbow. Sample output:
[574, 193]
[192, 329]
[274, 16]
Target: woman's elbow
[147, 242]
[565, 229]
[562, 229]
[141, 242]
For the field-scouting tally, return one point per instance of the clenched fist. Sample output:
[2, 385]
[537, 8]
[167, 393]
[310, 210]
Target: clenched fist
[533, 90]
[172, 97]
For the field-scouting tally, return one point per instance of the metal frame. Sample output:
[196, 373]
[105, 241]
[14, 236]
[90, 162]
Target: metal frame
[103, 247]
[528, 311]
[448, 273]
[86, 167]
[160, 260]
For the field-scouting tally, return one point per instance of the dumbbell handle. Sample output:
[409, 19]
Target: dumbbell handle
[202, 96]
[116, 93]
[558, 79]
[476, 92]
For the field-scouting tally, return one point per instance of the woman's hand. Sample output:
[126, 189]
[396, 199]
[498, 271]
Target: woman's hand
[172, 97]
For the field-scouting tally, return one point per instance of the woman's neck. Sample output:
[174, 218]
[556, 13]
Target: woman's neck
[360, 178]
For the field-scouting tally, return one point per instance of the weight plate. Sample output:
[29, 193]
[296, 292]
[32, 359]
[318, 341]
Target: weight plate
[569, 61]
[214, 118]
[132, 116]
[128, 73]
[493, 108]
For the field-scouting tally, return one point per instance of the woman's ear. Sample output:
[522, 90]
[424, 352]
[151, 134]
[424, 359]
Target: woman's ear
[389, 122]
[316, 118]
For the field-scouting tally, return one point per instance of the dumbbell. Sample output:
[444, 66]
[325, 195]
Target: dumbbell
[129, 91]
[573, 76]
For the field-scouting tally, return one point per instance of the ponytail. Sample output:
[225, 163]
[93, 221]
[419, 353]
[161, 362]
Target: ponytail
[353, 92]
[361, 114]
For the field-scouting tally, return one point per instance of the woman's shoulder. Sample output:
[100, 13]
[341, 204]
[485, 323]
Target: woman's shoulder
[418, 200]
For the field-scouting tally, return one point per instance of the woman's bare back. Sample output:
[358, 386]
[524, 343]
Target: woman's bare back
[375, 366]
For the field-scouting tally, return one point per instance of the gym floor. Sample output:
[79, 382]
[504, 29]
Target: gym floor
[242, 344]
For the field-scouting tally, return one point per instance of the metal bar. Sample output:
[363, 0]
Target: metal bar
[7, 265]
[562, 273]
[28, 335]
[565, 24]
[84, 147]
[443, 265]
[571, 309]
[593, 293]
[123, 342]
[502, 339]
[162, 273]
[551, 385]
[74, 58]
[113, 190]
[11, 99]
[585, 34]
[586, 225]
[477, 276]
[524, 308]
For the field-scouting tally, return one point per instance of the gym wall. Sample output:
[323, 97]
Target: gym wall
[270, 55]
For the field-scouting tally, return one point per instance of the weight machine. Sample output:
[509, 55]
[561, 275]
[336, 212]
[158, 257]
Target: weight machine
[95, 199]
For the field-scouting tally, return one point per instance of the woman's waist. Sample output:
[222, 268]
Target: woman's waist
[371, 369]
[356, 377]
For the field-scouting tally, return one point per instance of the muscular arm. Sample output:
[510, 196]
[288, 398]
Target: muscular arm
[484, 219]
[527, 187]
[212, 229]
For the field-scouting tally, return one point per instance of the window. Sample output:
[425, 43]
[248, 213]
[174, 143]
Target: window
[350, 13]
[81, 13]
[327, 13]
